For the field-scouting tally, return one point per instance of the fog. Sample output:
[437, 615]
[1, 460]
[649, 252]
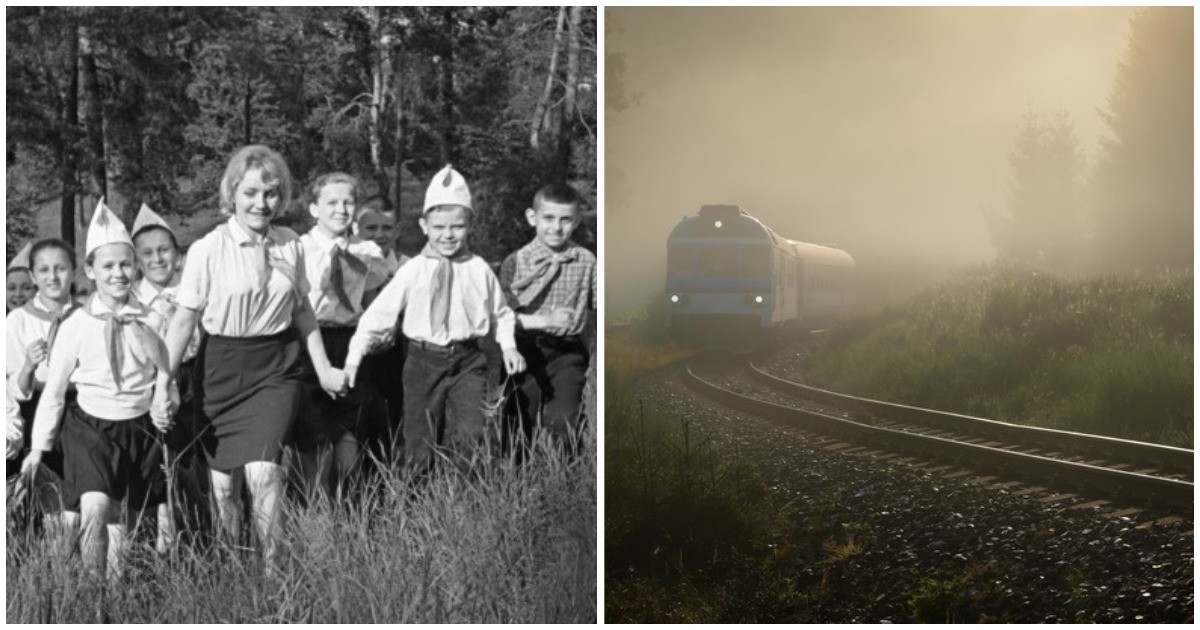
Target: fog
[883, 131]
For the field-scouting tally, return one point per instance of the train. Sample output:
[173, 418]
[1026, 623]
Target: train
[733, 282]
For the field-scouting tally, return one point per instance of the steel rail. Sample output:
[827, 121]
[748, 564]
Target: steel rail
[1169, 458]
[1044, 469]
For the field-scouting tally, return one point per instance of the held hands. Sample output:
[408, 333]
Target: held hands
[514, 363]
[351, 372]
[334, 382]
[164, 406]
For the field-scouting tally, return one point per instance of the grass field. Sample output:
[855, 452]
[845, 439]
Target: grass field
[515, 544]
[1110, 355]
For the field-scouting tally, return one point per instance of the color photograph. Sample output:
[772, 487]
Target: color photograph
[301, 315]
[898, 315]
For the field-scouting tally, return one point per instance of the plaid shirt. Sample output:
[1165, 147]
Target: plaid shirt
[574, 286]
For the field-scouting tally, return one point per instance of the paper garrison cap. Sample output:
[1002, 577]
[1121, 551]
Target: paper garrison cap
[448, 188]
[21, 260]
[105, 229]
[147, 218]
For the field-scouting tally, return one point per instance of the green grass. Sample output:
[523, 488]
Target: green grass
[515, 544]
[1110, 355]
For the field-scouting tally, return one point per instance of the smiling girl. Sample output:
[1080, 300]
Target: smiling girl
[245, 283]
[31, 332]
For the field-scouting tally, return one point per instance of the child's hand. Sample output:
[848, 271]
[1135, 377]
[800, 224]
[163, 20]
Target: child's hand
[514, 363]
[35, 353]
[351, 372]
[162, 415]
[33, 461]
[558, 322]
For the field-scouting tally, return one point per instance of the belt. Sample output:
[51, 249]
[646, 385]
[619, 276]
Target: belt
[451, 348]
[553, 341]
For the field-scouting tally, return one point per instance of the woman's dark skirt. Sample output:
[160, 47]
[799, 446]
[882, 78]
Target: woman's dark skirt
[251, 396]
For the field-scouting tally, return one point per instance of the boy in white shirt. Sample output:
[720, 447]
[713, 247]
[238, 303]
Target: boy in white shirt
[343, 271]
[450, 298]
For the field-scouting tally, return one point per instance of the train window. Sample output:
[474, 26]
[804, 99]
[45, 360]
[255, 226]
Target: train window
[756, 263]
[681, 262]
[717, 262]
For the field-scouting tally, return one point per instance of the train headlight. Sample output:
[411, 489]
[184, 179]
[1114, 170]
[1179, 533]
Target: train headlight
[674, 299]
[758, 299]
[755, 300]
[718, 224]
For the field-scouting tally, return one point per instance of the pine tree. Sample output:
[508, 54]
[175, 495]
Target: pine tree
[1142, 186]
[1043, 224]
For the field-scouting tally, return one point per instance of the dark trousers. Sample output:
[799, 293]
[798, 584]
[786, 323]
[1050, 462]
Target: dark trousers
[549, 393]
[386, 416]
[443, 402]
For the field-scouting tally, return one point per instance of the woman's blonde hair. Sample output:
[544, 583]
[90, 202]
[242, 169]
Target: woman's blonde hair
[256, 156]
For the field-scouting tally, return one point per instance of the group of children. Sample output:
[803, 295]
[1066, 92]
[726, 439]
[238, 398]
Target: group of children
[264, 340]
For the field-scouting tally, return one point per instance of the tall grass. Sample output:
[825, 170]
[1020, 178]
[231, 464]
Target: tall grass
[1106, 355]
[686, 524]
[514, 542]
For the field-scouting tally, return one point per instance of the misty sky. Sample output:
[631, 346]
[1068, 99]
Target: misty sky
[881, 130]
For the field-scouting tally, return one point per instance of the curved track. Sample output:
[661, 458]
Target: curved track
[1129, 471]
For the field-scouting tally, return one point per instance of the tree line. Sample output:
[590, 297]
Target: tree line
[144, 105]
[1130, 208]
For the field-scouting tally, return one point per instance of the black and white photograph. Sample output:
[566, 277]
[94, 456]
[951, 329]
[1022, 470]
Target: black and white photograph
[302, 315]
[899, 314]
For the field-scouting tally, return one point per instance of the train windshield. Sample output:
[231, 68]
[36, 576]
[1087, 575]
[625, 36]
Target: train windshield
[718, 262]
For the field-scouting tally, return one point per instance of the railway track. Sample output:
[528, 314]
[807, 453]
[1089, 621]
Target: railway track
[1123, 470]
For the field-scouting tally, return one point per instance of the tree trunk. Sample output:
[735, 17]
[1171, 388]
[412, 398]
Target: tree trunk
[123, 147]
[248, 112]
[566, 119]
[398, 136]
[378, 94]
[70, 120]
[447, 86]
[93, 120]
[543, 104]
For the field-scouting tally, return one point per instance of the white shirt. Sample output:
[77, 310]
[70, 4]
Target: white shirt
[80, 356]
[318, 259]
[162, 302]
[477, 306]
[224, 278]
[23, 327]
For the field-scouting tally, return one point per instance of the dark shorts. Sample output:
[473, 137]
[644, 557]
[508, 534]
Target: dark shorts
[122, 459]
[251, 396]
[324, 420]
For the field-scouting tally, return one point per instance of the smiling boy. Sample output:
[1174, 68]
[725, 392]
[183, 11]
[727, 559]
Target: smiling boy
[551, 285]
[450, 299]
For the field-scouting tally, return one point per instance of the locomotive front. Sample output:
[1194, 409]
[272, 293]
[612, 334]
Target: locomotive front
[723, 287]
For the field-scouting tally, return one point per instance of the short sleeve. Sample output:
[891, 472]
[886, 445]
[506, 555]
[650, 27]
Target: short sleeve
[194, 284]
[302, 284]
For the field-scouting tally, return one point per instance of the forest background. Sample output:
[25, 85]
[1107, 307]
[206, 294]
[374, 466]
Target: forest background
[145, 105]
